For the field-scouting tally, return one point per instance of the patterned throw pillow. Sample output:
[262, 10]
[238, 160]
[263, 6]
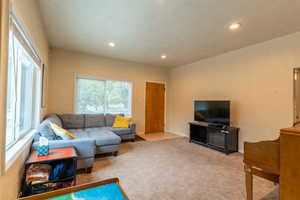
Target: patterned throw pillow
[46, 131]
[121, 122]
[63, 133]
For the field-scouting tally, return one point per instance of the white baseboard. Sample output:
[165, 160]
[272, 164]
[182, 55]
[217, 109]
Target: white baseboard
[184, 135]
[168, 131]
[177, 133]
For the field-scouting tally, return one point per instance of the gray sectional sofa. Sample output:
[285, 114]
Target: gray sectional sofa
[94, 135]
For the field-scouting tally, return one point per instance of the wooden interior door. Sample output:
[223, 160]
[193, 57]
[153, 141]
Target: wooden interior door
[155, 107]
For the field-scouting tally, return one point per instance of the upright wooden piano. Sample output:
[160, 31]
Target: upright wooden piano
[277, 161]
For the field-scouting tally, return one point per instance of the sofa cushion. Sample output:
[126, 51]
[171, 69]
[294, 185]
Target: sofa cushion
[110, 119]
[61, 132]
[120, 131]
[94, 120]
[79, 133]
[98, 129]
[45, 130]
[103, 138]
[54, 119]
[102, 135]
[71, 121]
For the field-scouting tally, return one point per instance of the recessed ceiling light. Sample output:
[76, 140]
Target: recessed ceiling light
[111, 44]
[163, 56]
[234, 26]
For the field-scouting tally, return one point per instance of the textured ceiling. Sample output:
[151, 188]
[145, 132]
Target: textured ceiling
[184, 30]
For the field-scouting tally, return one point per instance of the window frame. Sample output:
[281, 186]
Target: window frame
[76, 77]
[35, 93]
[21, 138]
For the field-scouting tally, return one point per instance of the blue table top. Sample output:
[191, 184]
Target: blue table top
[110, 191]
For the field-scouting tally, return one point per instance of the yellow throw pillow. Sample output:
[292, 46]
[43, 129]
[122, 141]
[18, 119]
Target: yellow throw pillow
[121, 122]
[63, 133]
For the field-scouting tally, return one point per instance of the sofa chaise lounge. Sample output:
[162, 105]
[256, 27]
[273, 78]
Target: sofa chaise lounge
[94, 135]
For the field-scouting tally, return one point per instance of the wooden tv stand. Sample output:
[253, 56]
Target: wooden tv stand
[220, 138]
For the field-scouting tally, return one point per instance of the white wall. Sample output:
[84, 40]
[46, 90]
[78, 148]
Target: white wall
[257, 79]
[27, 12]
[65, 65]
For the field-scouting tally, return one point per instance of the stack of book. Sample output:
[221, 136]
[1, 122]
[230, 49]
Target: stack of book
[38, 173]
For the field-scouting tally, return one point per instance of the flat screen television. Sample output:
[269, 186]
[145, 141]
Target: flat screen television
[212, 112]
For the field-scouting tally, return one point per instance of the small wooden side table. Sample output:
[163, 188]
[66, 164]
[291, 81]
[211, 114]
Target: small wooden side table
[55, 156]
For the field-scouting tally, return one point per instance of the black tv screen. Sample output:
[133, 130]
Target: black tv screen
[215, 112]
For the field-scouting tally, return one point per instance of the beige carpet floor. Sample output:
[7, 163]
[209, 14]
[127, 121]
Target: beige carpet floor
[175, 170]
[159, 136]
